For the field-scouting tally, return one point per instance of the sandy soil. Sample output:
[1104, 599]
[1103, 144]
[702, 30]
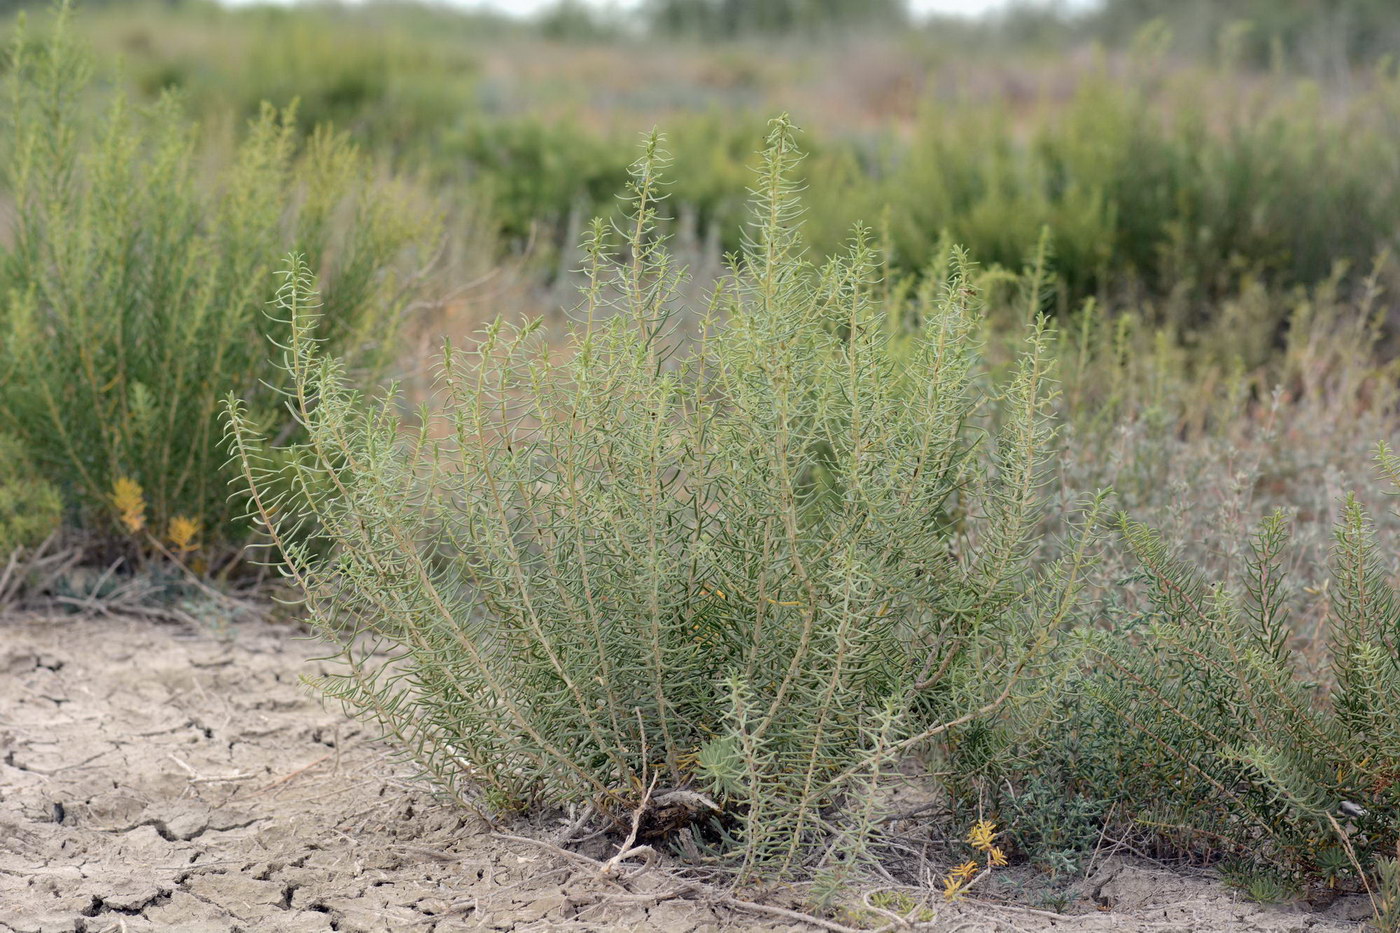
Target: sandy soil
[160, 778]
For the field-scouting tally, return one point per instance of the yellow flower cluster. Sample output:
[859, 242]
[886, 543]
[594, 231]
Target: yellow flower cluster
[129, 499]
[183, 534]
[981, 837]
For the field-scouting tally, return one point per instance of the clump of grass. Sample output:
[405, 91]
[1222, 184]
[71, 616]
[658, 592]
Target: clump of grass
[132, 284]
[713, 595]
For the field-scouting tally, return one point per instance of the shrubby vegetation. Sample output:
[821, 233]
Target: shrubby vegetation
[709, 19]
[717, 536]
[739, 572]
[723, 588]
[1322, 39]
[1164, 181]
[30, 508]
[134, 281]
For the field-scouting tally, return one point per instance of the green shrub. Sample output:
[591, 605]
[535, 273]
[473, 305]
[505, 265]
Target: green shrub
[1148, 188]
[1131, 743]
[393, 76]
[1147, 191]
[132, 284]
[1225, 737]
[535, 173]
[1325, 39]
[727, 586]
[30, 508]
[391, 90]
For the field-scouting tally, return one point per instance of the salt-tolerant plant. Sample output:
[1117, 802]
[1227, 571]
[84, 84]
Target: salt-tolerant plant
[1233, 740]
[133, 280]
[1199, 450]
[722, 586]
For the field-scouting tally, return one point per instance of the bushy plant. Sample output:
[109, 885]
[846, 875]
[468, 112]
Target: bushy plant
[730, 19]
[1145, 187]
[1148, 192]
[30, 508]
[132, 284]
[1230, 740]
[1201, 449]
[725, 587]
[536, 173]
[1325, 39]
[391, 75]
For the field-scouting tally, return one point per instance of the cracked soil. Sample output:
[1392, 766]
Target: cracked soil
[160, 778]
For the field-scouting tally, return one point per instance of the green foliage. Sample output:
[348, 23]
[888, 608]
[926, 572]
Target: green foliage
[1138, 191]
[711, 19]
[1388, 893]
[1222, 733]
[1324, 38]
[132, 283]
[720, 579]
[390, 75]
[1262, 885]
[537, 174]
[368, 76]
[1180, 185]
[30, 508]
[1143, 195]
[575, 21]
[1059, 831]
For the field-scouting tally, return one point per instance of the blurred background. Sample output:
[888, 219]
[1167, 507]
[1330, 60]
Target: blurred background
[1203, 194]
[1179, 152]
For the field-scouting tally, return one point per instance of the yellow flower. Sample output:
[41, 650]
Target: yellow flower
[130, 502]
[183, 534]
[964, 872]
[982, 835]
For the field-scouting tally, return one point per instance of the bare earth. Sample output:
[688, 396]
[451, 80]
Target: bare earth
[160, 778]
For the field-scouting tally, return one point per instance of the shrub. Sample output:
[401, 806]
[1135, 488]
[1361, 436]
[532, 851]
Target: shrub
[30, 508]
[367, 73]
[535, 172]
[131, 287]
[1200, 449]
[1145, 187]
[725, 587]
[394, 76]
[1325, 39]
[1228, 739]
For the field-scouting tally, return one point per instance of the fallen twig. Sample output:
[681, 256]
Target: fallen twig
[287, 777]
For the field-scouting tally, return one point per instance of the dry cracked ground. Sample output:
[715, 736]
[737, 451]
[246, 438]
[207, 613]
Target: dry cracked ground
[154, 777]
